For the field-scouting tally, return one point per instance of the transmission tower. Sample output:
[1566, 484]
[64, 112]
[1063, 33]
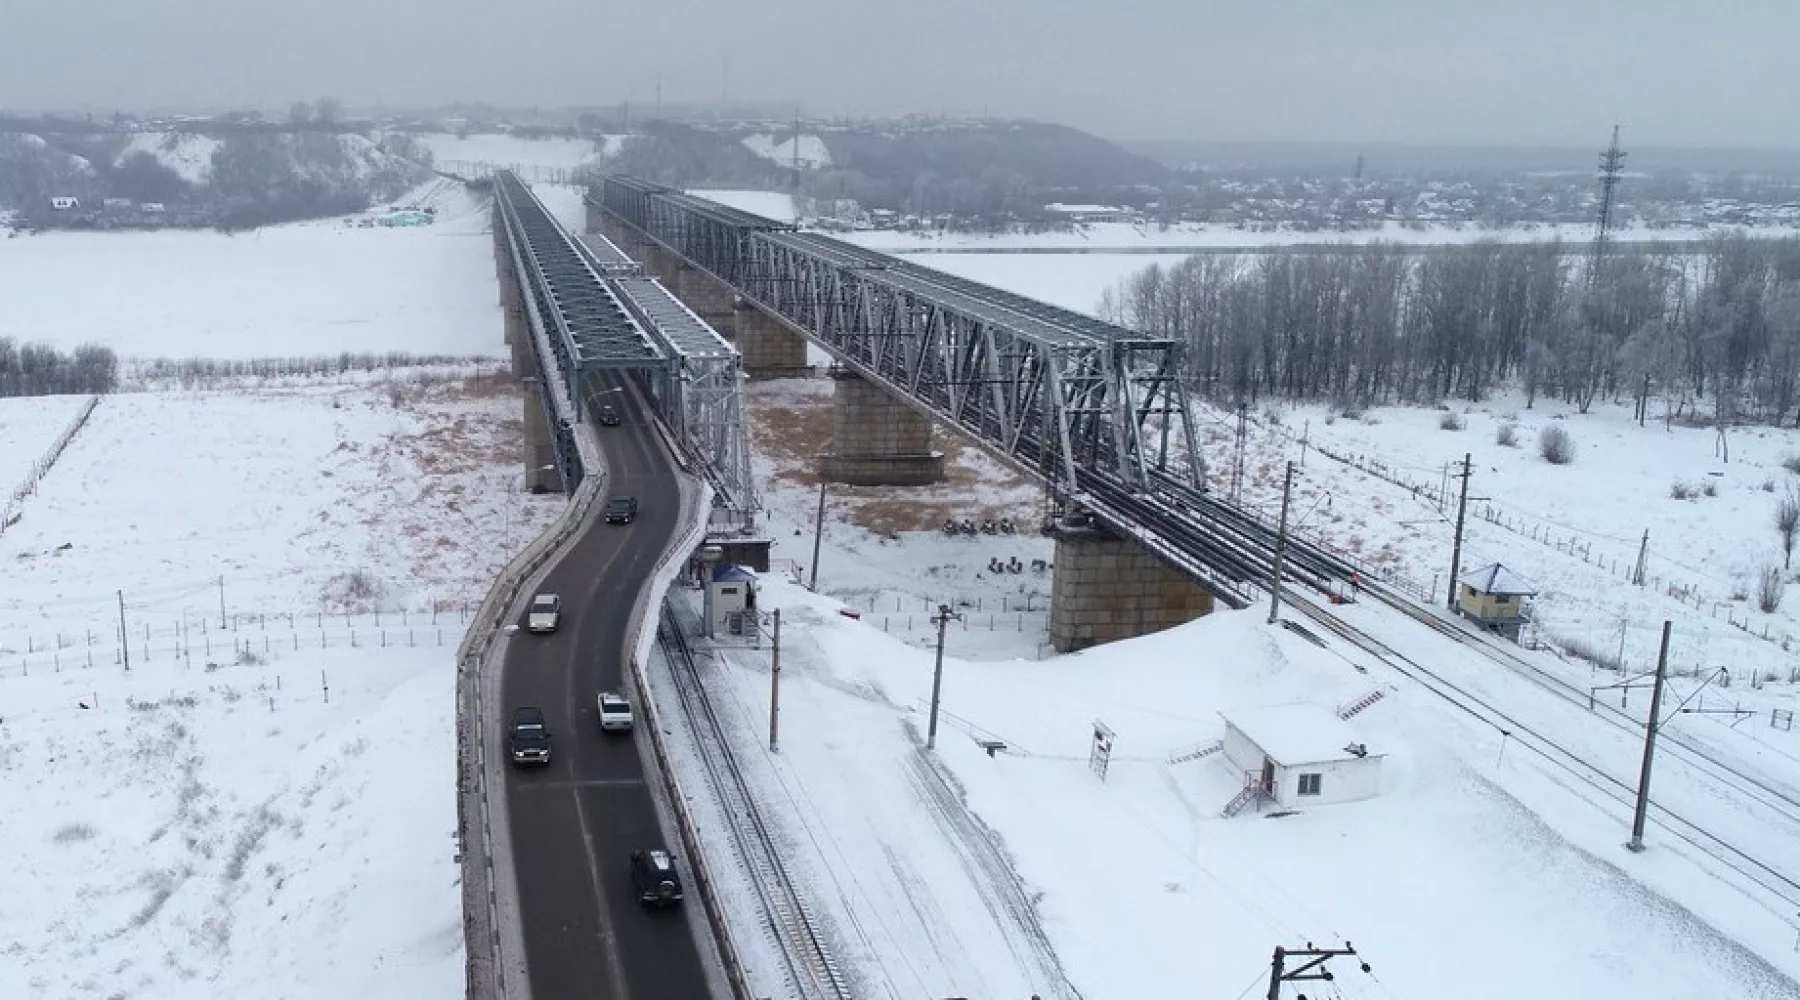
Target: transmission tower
[1612, 167]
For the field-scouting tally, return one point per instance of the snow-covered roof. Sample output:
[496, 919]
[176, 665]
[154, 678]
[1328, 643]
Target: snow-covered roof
[1057, 206]
[1497, 579]
[733, 574]
[1296, 733]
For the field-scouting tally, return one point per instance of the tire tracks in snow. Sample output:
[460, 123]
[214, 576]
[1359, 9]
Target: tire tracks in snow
[984, 859]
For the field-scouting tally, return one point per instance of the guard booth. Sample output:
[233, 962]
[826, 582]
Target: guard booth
[731, 601]
[1496, 598]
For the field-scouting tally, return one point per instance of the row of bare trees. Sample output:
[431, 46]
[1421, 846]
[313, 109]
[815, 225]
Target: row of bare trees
[42, 370]
[1373, 324]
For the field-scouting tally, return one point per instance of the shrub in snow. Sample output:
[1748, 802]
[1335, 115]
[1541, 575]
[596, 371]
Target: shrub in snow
[1507, 435]
[70, 833]
[1679, 490]
[1792, 464]
[1787, 525]
[1709, 488]
[1556, 446]
[1450, 422]
[1768, 590]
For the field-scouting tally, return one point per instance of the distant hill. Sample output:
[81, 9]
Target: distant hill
[985, 169]
[230, 177]
[1329, 159]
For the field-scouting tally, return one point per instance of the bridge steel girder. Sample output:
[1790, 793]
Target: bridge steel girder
[598, 314]
[1097, 412]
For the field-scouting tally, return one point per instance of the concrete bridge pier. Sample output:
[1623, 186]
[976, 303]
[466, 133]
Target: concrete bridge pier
[1107, 588]
[539, 450]
[540, 453]
[709, 298]
[770, 349]
[878, 440]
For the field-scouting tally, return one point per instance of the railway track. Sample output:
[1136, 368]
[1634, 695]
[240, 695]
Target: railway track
[1774, 881]
[811, 969]
[1671, 744]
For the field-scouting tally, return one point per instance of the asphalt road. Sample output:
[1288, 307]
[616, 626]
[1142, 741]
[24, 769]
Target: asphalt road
[575, 823]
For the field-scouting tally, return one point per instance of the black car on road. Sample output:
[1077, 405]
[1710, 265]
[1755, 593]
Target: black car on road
[654, 877]
[609, 416]
[621, 510]
[528, 742]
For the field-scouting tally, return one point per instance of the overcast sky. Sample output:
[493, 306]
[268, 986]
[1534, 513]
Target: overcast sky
[1561, 72]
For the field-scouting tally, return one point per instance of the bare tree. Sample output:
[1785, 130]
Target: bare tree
[1787, 525]
[1768, 590]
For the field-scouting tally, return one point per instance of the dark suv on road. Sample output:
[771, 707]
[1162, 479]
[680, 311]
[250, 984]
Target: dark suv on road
[654, 877]
[528, 742]
[621, 510]
[609, 416]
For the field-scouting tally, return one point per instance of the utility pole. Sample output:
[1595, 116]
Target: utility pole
[1312, 969]
[1462, 510]
[1637, 574]
[775, 687]
[1237, 459]
[221, 602]
[818, 534]
[942, 620]
[1287, 488]
[124, 637]
[1650, 729]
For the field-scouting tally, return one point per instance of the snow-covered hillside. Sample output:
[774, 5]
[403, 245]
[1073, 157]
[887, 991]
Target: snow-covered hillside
[812, 153]
[189, 155]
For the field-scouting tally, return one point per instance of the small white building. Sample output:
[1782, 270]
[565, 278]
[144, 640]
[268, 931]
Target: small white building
[730, 601]
[1301, 754]
[63, 203]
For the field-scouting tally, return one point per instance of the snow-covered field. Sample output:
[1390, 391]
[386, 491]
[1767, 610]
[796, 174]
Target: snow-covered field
[306, 289]
[1143, 889]
[263, 803]
[28, 427]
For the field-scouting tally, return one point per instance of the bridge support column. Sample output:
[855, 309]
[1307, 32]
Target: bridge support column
[878, 440]
[710, 299]
[539, 450]
[770, 349]
[1106, 588]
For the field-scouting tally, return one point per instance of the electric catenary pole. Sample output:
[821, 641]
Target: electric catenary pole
[1311, 967]
[1651, 727]
[942, 620]
[1462, 510]
[1287, 489]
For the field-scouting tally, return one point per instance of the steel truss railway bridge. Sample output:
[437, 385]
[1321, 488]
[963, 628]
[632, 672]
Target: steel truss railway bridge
[1096, 412]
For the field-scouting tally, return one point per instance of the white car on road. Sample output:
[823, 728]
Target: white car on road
[615, 712]
[545, 613]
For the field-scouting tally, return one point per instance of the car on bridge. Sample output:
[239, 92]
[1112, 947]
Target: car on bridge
[609, 416]
[615, 712]
[654, 877]
[621, 510]
[529, 740]
[544, 614]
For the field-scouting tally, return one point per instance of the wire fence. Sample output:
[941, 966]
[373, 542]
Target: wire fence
[13, 511]
[238, 637]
